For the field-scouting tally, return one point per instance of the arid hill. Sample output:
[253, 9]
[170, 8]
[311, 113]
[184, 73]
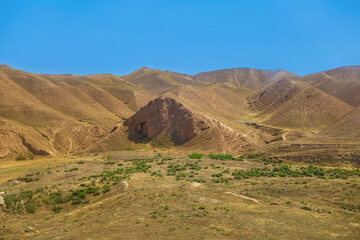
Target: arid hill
[247, 78]
[169, 122]
[233, 110]
[49, 114]
[166, 117]
[343, 83]
[345, 128]
[294, 104]
[157, 81]
[217, 101]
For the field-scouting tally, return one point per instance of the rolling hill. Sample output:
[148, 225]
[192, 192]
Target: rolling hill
[241, 109]
[247, 78]
[345, 128]
[343, 83]
[50, 114]
[297, 105]
[157, 81]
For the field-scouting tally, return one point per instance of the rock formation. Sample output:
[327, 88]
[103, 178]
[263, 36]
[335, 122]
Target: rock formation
[165, 116]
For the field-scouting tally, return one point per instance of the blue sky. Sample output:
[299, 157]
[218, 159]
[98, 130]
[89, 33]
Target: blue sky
[189, 36]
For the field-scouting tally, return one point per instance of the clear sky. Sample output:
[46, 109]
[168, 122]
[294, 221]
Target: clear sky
[189, 36]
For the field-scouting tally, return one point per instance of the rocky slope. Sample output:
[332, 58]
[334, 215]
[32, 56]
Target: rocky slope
[165, 117]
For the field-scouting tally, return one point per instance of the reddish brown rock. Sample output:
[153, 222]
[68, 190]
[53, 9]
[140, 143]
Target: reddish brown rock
[165, 116]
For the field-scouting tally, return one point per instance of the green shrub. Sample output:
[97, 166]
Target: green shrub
[39, 190]
[72, 169]
[109, 163]
[287, 171]
[27, 179]
[193, 166]
[221, 180]
[57, 209]
[222, 156]
[76, 202]
[79, 193]
[217, 175]
[9, 199]
[255, 155]
[196, 155]
[30, 207]
[106, 188]
[20, 157]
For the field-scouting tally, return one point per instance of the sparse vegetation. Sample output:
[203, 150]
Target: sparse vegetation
[21, 157]
[30, 207]
[57, 209]
[72, 169]
[195, 155]
[284, 185]
[287, 171]
[222, 156]
[27, 179]
[109, 163]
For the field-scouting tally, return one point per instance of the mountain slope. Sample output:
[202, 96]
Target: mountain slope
[247, 78]
[47, 114]
[215, 101]
[166, 121]
[343, 83]
[293, 104]
[50, 114]
[345, 128]
[157, 81]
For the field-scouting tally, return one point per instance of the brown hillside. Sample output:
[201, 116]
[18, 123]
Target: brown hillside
[343, 83]
[50, 114]
[215, 101]
[157, 81]
[4, 66]
[109, 91]
[165, 118]
[47, 114]
[345, 128]
[243, 77]
[293, 104]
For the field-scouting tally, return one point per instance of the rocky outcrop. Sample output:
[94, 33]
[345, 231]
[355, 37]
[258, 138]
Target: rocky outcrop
[165, 116]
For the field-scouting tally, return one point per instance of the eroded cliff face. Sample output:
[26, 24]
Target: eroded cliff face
[166, 116]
